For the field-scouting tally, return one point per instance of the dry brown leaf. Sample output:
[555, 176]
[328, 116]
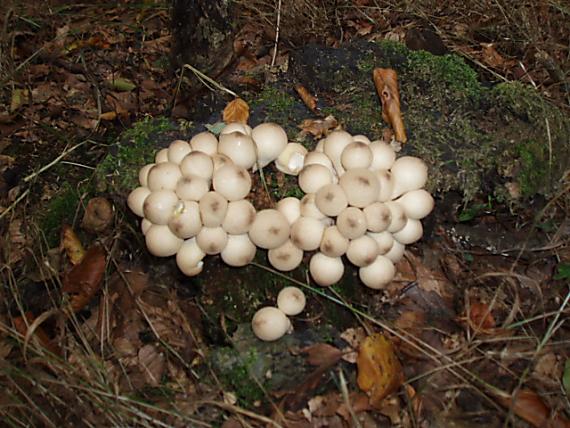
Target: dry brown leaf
[386, 83]
[152, 363]
[308, 98]
[98, 215]
[480, 318]
[236, 111]
[318, 127]
[84, 280]
[491, 57]
[379, 371]
[72, 245]
[21, 325]
[529, 406]
[322, 354]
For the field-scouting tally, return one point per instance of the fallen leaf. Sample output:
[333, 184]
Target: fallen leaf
[491, 57]
[236, 111]
[528, 406]
[84, 280]
[108, 115]
[71, 243]
[98, 215]
[308, 98]
[152, 364]
[121, 84]
[22, 323]
[318, 127]
[386, 83]
[322, 354]
[480, 318]
[18, 98]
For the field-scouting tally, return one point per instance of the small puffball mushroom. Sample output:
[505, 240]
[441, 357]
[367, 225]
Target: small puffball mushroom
[271, 140]
[409, 173]
[212, 240]
[417, 203]
[161, 242]
[351, 223]
[205, 142]
[318, 158]
[384, 240]
[239, 148]
[286, 257]
[159, 206]
[325, 270]
[333, 244]
[356, 155]
[362, 251]
[197, 163]
[399, 218]
[361, 138]
[145, 225]
[410, 233]
[309, 207]
[189, 258]
[386, 185]
[360, 186]
[320, 147]
[242, 128]
[378, 274]
[396, 252]
[164, 175]
[232, 182]
[291, 300]
[213, 208]
[331, 200]
[161, 156]
[383, 155]
[333, 147]
[186, 222]
[239, 250]
[270, 229]
[270, 324]
[307, 233]
[292, 159]
[290, 207]
[239, 217]
[192, 188]
[313, 177]
[219, 160]
[136, 198]
[378, 217]
[143, 174]
[177, 150]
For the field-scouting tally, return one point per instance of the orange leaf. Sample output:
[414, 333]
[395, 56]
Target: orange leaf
[379, 371]
[309, 100]
[480, 317]
[529, 406]
[84, 280]
[72, 245]
[318, 127]
[386, 83]
[236, 111]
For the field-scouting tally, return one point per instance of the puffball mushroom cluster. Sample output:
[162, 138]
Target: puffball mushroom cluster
[360, 202]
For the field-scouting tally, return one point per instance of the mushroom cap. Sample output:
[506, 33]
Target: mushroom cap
[333, 244]
[383, 155]
[385, 240]
[242, 128]
[331, 200]
[219, 160]
[145, 225]
[313, 177]
[362, 251]
[409, 173]
[291, 300]
[290, 207]
[410, 233]
[396, 251]
[318, 158]
[205, 142]
[239, 217]
[309, 207]
[292, 159]
[177, 150]
[398, 215]
[325, 270]
[270, 229]
[270, 139]
[197, 163]
[416, 203]
[161, 156]
[192, 188]
[239, 148]
[213, 208]
[360, 186]
[212, 240]
[164, 175]
[320, 147]
[161, 242]
[160, 205]
[143, 174]
[361, 138]
[351, 223]
[356, 155]
[135, 200]
[189, 257]
[232, 182]
[286, 257]
[270, 324]
[378, 216]
[186, 222]
[378, 274]
[239, 250]
[386, 185]
[307, 233]
[335, 143]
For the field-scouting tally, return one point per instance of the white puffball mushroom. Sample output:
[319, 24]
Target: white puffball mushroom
[189, 258]
[270, 229]
[362, 251]
[242, 128]
[186, 222]
[396, 251]
[161, 156]
[351, 223]
[378, 274]
[286, 257]
[331, 200]
[356, 155]
[269, 324]
[386, 183]
[239, 217]
[145, 225]
[270, 140]
[197, 163]
[385, 240]
[409, 173]
[410, 233]
[291, 300]
[360, 186]
[239, 250]
[290, 207]
[326, 270]
[164, 175]
[383, 155]
[417, 204]
[204, 142]
[320, 147]
[232, 182]
[143, 174]
[213, 208]
[239, 148]
[318, 158]
[161, 242]
[307, 233]
[212, 240]
[292, 159]
[398, 217]
[309, 207]
[159, 206]
[192, 188]
[136, 198]
[313, 177]
[378, 216]
[333, 244]
[219, 160]
[177, 150]
[361, 139]
[333, 147]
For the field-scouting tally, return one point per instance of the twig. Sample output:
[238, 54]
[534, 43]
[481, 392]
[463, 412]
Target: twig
[207, 81]
[274, 57]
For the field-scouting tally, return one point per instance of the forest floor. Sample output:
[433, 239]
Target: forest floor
[94, 331]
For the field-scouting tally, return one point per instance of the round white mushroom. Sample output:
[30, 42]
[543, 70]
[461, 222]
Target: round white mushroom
[416, 204]
[398, 217]
[290, 207]
[242, 128]
[409, 173]
[333, 147]
[333, 244]
[164, 175]
[378, 216]
[160, 205]
[386, 185]
[197, 163]
[356, 155]
[161, 156]
[213, 208]
[189, 258]
[291, 300]
[313, 177]
[270, 140]
[186, 222]
[135, 200]
[239, 250]
[143, 174]
[291, 160]
[270, 324]
[360, 186]
[309, 207]
[318, 158]
[239, 148]
[205, 142]
[410, 233]
[385, 240]
[286, 257]
[378, 274]
[212, 240]
[177, 150]
[351, 223]
[326, 270]
[270, 229]
[383, 155]
[161, 242]
[396, 252]
[239, 217]
[307, 233]
[232, 182]
[192, 188]
[331, 200]
[362, 251]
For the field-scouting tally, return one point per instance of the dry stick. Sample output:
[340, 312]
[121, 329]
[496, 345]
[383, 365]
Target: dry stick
[274, 57]
[346, 398]
[207, 81]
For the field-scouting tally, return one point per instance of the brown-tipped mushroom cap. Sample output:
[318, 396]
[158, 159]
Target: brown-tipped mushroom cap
[177, 150]
[136, 198]
[192, 188]
[186, 221]
[331, 200]
[360, 186]
[396, 252]
[383, 155]
[232, 182]
[212, 240]
[313, 177]
[239, 217]
[197, 163]
[213, 208]
[164, 175]
[189, 258]
[333, 244]
[307, 233]
[386, 183]
[239, 148]
[362, 251]
[378, 217]
[160, 205]
[409, 173]
[291, 300]
[161, 242]
[378, 274]
[270, 229]
[270, 324]
[385, 240]
[398, 217]
[351, 223]
[309, 207]
[239, 250]
[290, 207]
[356, 155]
[286, 257]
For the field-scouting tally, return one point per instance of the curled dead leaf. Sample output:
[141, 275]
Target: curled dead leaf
[318, 127]
[236, 111]
[528, 405]
[480, 318]
[386, 83]
[72, 245]
[308, 98]
[98, 215]
[23, 323]
[84, 280]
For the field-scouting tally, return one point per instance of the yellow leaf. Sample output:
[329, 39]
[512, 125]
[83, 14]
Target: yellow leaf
[72, 245]
[379, 371]
[236, 111]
